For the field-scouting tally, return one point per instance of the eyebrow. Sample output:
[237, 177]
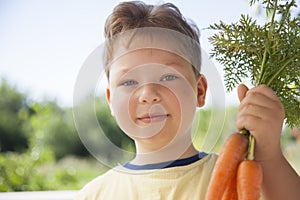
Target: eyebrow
[124, 69]
[172, 63]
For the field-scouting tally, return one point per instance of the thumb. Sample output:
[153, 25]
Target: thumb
[242, 90]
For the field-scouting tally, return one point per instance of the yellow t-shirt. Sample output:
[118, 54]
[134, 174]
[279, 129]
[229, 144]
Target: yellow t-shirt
[182, 182]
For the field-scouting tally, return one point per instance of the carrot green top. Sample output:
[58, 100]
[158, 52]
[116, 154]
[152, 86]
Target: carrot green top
[268, 53]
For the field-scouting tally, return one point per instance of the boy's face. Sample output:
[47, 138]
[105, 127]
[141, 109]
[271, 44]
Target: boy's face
[153, 95]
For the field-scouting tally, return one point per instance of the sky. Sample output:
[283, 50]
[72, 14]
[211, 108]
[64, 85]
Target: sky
[44, 43]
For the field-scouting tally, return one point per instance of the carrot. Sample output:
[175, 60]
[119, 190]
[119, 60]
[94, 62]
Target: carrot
[232, 153]
[230, 192]
[249, 180]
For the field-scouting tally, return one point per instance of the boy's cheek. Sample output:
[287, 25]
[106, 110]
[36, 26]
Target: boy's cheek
[185, 94]
[119, 103]
[188, 102]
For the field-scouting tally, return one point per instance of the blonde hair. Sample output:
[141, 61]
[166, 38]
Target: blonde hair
[132, 15]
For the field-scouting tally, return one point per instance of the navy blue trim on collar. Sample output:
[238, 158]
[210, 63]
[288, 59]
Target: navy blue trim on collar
[163, 165]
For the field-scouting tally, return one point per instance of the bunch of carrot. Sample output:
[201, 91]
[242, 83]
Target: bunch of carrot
[236, 174]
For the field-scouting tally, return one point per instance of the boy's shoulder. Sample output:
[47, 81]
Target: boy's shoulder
[120, 177]
[94, 188]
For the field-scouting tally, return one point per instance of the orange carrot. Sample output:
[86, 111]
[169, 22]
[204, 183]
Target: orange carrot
[231, 191]
[232, 153]
[249, 180]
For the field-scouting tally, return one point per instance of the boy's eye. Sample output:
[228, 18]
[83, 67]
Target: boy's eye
[169, 78]
[128, 83]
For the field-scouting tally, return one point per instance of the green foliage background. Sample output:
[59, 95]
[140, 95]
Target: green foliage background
[40, 148]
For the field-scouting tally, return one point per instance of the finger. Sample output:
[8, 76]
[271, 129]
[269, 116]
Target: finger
[242, 90]
[254, 124]
[256, 110]
[248, 122]
[264, 97]
[259, 99]
[264, 90]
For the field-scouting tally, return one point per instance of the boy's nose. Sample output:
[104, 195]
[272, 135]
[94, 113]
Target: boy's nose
[149, 94]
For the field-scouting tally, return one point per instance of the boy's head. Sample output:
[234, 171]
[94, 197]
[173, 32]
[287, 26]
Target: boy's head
[152, 62]
[162, 22]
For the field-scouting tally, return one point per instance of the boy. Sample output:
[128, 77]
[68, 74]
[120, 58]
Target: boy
[154, 89]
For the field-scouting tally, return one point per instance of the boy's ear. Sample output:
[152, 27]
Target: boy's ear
[201, 90]
[107, 93]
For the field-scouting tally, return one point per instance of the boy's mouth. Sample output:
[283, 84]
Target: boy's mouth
[149, 118]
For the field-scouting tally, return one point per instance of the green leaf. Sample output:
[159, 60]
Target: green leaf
[268, 54]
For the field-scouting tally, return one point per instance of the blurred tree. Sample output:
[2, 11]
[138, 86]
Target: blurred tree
[54, 127]
[14, 111]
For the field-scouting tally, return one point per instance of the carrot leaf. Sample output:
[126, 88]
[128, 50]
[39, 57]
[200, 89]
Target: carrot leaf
[266, 53]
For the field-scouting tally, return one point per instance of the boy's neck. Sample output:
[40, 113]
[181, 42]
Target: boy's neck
[173, 152]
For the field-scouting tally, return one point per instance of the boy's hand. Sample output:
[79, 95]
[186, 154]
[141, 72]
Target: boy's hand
[261, 113]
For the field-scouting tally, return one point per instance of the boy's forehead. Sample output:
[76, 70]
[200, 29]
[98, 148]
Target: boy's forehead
[150, 55]
[156, 38]
[141, 44]
[147, 57]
